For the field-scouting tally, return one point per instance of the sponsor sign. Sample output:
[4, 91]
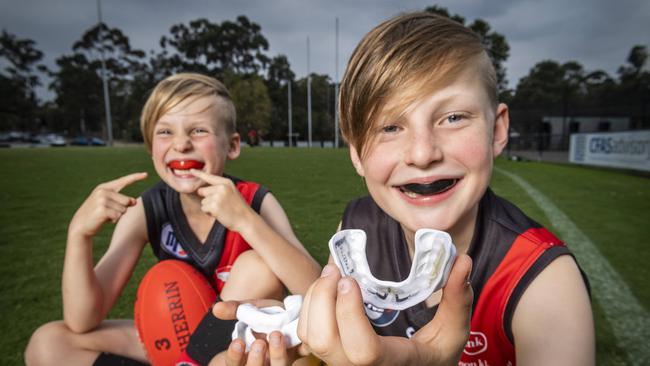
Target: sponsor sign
[628, 150]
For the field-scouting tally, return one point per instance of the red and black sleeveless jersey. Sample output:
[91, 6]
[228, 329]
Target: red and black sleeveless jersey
[508, 251]
[171, 236]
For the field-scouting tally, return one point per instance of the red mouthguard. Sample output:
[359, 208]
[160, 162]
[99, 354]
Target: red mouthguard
[185, 164]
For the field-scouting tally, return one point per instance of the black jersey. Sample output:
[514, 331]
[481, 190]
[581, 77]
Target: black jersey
[171, 236]
[499, 228]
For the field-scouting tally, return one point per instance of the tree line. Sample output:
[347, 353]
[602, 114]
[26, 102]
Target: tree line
[236, 52]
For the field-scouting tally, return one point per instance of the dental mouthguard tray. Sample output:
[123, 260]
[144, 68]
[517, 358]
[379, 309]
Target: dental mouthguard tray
[266, 320]
[434, 256]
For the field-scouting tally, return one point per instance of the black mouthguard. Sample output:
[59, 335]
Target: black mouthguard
[430, 188]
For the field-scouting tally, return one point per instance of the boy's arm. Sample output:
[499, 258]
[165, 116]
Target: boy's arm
[88, 294]
[269, 233]
[552, 323]
[281, 249]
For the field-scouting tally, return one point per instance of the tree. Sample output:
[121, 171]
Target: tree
[322, 94]
[120, 58]
[78, 94]
[600, 91]
[322, 103]
[252, 102]
[495, 43]
[550, 84]
[278, 76]
[553, 88]
[19, 105]
[634, 86]
[211, 48]
[636, 59]
[79, 87]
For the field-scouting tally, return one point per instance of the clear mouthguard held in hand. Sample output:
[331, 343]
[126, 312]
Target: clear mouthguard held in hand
[266, 320]
[434, 256]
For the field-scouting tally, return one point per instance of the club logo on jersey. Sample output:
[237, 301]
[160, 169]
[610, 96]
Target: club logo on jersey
[222, 273]
[476, 343]
[170, 244]
[380, 317]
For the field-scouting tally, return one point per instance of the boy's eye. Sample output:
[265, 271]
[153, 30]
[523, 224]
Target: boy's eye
[390, 128]
[163, 131]
[453, 118]
[199, 131]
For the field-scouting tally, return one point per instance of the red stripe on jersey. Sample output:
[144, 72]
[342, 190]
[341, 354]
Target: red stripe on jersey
[488, 342]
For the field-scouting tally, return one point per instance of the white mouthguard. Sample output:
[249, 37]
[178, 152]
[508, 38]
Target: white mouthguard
[266, 320]
[434, 256]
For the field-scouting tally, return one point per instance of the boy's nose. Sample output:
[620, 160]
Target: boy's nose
[182, 143]
[423, 149]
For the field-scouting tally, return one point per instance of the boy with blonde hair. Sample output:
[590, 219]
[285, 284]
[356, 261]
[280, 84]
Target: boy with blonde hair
[195, 214]
[420, 112]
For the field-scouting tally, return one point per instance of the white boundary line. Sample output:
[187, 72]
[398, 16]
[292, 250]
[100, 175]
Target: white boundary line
[629, 320]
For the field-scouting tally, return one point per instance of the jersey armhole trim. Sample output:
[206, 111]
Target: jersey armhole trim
[150, 210]
[535, 269]
[256, 203]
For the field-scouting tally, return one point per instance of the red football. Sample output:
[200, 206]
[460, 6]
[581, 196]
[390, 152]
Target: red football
[172, 299]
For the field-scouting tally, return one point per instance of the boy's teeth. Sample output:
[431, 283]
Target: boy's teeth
[411, 194]
[181, 172]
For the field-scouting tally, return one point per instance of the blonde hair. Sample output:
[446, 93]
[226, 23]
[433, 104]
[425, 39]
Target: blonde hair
[403, 59]
[175, 89]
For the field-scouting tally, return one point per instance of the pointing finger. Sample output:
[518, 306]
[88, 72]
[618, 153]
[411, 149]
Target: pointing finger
[119, 183]
[208, 178]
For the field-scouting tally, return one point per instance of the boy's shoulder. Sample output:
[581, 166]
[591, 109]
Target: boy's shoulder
[503, 213]
[362, 212]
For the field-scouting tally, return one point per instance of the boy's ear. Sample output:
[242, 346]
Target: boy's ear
[234, 146]
[500, 132]
[356, 161]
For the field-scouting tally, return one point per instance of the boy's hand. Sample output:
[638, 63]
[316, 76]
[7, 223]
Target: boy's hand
[333, 324]
[105, 203]
[222, 200]
[261, 352]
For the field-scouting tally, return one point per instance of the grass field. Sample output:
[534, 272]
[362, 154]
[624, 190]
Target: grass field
[41, 188]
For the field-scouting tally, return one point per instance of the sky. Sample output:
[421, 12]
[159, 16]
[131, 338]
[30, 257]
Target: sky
[597, 33]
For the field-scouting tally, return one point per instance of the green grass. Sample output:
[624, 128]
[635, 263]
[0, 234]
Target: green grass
[612, 208]
[40, 190]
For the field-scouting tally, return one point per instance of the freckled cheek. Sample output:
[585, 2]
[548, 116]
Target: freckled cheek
[158, 150]
[378, 167]
[214, 153]
[211, 147]
[472, 150]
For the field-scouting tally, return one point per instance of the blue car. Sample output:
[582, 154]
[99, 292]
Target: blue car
[83, 141]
